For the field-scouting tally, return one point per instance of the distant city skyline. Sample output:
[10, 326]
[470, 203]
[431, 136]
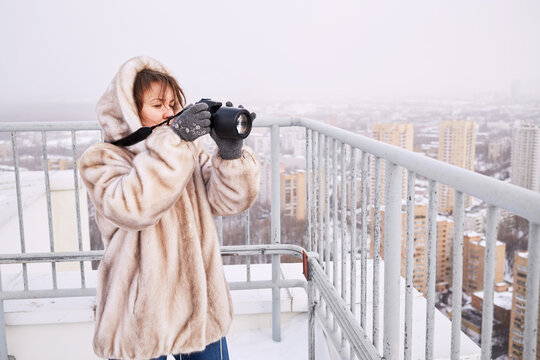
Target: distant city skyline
[256, 52]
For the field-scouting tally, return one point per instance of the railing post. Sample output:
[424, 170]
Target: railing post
[531, 310]
[489, 280]
[431, 267]
[276, 233]
[3, 338]
[392, 261]
[409, 266]
[457, 275]
[311, 308]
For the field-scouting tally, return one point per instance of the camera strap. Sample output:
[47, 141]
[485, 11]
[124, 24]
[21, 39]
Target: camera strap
[141, 133]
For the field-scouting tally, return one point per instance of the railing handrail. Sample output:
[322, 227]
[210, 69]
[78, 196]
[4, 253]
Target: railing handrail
[49, 126]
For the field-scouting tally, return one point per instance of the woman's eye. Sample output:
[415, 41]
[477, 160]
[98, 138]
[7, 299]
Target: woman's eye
[157, 106]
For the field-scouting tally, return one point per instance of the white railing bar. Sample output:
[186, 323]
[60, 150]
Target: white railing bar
[489, 280]
[376, 250]
[353, 232]
[308, 191]
[325, 150]
[354, 333]
[343, 229]
[316, 208]
[320, 193]
[352, 256]
[266, 249]
[52, 293]
[36, 294]
[531, 310]
[276, 231]
[392, 261]
[267, 284]
[409, 265]
[219, 225]
[364, 240]
[339, 352]
[431, 267]
[19, 202]
[247, 241]
[49, 207]
[34, 126]
[335, 218]
[332, 191]
[315, 197]
[312, 303]
[457, 274]
[46, 257]
[77, 202]
[3, 335]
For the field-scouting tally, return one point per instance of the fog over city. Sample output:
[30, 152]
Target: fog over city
[63, 51]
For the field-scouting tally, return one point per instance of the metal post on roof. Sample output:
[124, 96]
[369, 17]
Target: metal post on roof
[3, 340]
[392, 263]
[276, 233]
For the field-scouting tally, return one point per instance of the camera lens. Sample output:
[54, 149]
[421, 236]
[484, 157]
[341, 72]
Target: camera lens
[242, 124]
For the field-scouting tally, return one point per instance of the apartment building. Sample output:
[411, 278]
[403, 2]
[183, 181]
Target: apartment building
[457, 141]
[517, 318]
[474, 247]
[525, 161]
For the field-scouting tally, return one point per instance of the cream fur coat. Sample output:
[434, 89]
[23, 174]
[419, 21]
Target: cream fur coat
[161, 286]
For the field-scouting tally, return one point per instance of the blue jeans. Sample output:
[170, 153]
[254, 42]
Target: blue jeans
[214, 351]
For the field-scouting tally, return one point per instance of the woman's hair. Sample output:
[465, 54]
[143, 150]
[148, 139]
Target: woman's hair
[146, 77]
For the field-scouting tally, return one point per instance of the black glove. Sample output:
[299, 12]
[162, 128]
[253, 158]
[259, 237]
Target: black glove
[229, 149]
[193, 122]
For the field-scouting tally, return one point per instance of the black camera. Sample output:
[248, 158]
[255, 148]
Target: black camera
[229, 122]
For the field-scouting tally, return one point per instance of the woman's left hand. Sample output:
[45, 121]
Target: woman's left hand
[229, 149]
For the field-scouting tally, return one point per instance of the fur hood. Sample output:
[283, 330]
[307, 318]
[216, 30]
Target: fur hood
[116, 109]
[161, 286]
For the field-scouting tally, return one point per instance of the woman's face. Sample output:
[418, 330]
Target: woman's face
[157, 106]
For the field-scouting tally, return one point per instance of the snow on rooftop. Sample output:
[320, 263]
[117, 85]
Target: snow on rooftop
[502, 299]
[32, 185]
[483, 243]
[444, 218]
[472, 233]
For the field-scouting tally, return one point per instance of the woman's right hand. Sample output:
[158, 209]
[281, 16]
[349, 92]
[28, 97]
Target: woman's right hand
[193, 122]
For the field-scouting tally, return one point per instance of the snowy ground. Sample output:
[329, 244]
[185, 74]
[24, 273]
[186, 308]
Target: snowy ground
[293, 345]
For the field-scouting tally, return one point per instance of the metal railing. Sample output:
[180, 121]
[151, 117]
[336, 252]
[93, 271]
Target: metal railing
[335, 244]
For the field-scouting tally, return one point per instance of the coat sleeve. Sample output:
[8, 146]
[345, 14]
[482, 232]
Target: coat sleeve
[134, 191]
[232, 185]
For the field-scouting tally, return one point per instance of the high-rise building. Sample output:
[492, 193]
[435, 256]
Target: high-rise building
[517, 318]
[473, 262]
[445, 241]
[445, 230]
[293, 194]
[457, 141]
[398, 134]
[525, 166]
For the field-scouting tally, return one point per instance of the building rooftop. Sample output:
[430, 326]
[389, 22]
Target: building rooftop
[502, 299]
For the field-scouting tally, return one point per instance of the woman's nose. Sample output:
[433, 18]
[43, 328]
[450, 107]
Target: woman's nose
[168, 112]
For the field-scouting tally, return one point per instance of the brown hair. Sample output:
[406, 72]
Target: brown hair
[146, 77]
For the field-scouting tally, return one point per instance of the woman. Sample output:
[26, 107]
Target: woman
[161, 286]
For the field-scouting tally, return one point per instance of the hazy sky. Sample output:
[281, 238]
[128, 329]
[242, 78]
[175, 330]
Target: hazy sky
[65, 50]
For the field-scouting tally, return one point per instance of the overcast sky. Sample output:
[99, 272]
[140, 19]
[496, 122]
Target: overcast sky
[68, 51]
